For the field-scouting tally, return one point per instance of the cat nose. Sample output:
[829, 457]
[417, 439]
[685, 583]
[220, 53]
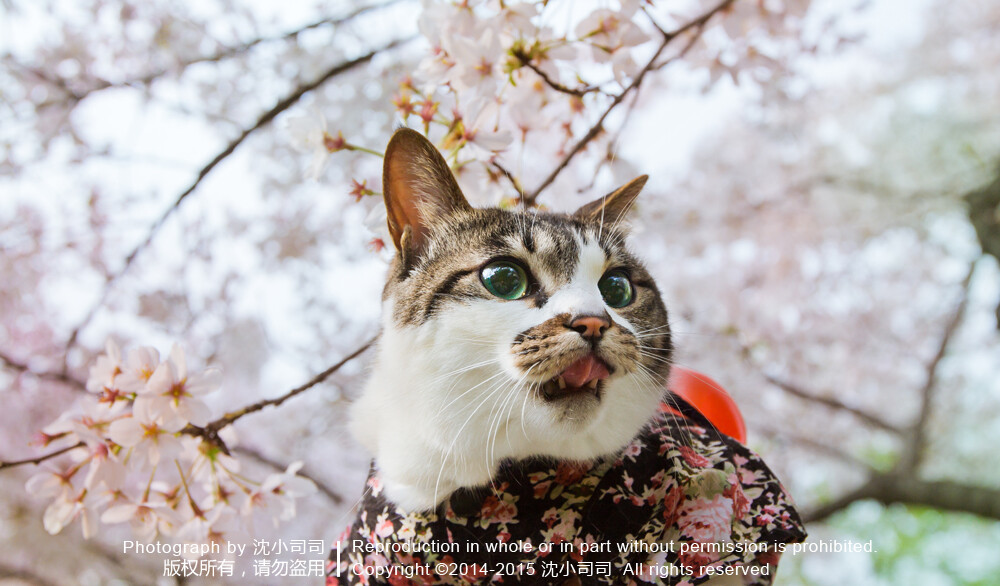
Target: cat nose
[590, 326]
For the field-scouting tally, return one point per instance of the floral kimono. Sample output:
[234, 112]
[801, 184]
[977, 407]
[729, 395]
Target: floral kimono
[681, 503]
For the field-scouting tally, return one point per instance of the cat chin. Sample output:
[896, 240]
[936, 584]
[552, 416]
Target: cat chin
[429, 440]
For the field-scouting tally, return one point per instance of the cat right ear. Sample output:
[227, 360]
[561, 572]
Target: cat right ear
[418, 188]
[613, 207]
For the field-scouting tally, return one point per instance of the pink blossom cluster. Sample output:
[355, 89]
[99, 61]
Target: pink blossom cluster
[497, 73]
[134, 458]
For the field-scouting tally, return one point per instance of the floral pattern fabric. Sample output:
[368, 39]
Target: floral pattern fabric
[680, 482]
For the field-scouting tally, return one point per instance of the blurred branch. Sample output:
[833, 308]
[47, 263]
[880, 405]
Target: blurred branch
[39, 459]
[595, 130]
[918, 441]
[904, 488]
[61, 377]
[613, 143]
[797, 391]
[289, 36]
[903, 484]
[98, 84]
[262, 121]
[23, 575]
[210, 432]
[801, 440]
[256, 455]
[983, 204]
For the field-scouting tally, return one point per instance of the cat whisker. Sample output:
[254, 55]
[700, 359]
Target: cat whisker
[513, 402]
[656, 329]
[532, 389]
[655, 357]
[650, 378]
[458, 434]
[492, 434]
[469, 390]
[661, 359]
[462, 369]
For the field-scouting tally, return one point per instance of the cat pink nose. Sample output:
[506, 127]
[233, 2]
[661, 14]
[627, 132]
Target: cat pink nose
[590, 326]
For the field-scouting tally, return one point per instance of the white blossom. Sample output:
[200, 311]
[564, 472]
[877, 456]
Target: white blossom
[175, 397]
[148, 437]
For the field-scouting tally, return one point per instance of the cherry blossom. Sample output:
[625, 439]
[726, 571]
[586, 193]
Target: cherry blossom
[104, 371]
[148, 519]
[147, 436]
[276, 495]
[140, 365]
[175, 397]
[309, 135]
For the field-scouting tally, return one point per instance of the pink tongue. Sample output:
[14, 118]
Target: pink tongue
[585, 370]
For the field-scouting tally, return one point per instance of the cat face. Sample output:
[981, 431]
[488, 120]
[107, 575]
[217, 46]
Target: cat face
[554, 302]
[505, 333]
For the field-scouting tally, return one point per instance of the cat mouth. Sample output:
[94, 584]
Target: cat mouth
[585, 376]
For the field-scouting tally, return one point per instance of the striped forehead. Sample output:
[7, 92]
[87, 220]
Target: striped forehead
[551, 245]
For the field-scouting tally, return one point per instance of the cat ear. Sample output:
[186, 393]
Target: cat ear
[418, 187]
[613, 207]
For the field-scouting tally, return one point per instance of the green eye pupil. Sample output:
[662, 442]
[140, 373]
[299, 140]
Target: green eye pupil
[506, 280]
[616, 289]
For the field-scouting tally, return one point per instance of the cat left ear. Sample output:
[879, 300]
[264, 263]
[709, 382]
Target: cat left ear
[613, 207]
[418, 188]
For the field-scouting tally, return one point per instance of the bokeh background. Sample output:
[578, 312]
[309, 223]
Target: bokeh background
[822, 217]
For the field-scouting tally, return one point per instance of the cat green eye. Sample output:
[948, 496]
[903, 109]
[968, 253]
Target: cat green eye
[505, 279]
[616, 289]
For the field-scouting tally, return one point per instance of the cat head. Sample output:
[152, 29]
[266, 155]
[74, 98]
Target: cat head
[532, 333]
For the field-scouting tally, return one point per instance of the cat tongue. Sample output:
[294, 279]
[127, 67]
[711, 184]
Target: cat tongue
[585, 370]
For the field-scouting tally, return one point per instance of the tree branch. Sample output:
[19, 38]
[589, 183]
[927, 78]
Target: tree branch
[60, 377]
[262, 121]
[918, 441]
[510, 177]
[529, 200]
[210, 432]
[98, 84]
[39, 459]
[797, 391]
[903, 484]
[899, 488]
[525, 60]
[23, 575]
[800, 440]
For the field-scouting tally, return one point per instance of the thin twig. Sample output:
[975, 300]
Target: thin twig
[39, 459]
[797, 391]
[23, 575]
[613, 144]
[210, 432]
[262, 121]
[223, 54]
[800, 440]
[918, 442]
[331, 494]
[595, 130]
[61, 377]
[525, 60]
[515, 183]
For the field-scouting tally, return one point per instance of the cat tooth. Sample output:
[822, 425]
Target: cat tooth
[593, 384]
[562, 382]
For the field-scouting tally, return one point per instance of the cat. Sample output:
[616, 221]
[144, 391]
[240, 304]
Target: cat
[506, 334]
